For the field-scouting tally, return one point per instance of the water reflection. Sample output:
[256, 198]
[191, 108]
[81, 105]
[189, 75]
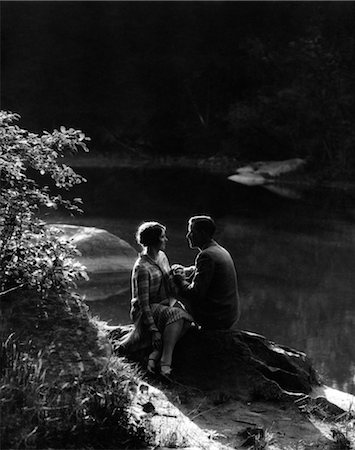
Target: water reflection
[284, 191]
[295, 257]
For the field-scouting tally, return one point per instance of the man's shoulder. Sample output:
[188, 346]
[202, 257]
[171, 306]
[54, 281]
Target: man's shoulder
[214, 248]
[216, 252]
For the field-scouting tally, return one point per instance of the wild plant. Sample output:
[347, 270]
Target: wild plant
[67, 412]
[32, 256]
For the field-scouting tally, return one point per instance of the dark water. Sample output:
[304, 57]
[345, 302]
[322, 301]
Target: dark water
[295, 257]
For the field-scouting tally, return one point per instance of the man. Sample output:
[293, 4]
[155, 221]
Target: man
[213, 292]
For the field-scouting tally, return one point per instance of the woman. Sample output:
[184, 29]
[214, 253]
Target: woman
[158, 317]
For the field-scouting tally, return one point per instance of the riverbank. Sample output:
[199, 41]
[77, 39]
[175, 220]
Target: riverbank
[62, 387]
[215, 164]
[306, 177]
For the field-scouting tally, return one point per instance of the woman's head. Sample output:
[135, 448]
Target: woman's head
[151, 234]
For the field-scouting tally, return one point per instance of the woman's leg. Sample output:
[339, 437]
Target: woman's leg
[152, 360]
[172, 333]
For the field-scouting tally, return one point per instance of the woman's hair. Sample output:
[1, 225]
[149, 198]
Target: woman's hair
[203, 223]
[149, 233]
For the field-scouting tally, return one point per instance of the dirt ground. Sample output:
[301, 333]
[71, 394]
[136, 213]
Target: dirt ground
[258, 425]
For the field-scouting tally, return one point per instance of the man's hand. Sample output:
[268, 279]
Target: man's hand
[178, 269]
[156, 340]
[178, 272]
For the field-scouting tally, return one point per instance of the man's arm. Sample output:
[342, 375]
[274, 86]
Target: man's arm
[197, 289]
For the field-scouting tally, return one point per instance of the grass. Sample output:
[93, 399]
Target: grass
[343, 431]
[53, 397]
[341, 426]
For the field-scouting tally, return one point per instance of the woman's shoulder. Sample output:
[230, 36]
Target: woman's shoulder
[140, 263]
[162, 254]
[145, 263]
[163, 260]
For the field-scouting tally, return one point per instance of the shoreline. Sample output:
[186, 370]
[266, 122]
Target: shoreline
[220, 165]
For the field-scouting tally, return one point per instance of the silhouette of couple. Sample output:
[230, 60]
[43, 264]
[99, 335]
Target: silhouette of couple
[167, 301]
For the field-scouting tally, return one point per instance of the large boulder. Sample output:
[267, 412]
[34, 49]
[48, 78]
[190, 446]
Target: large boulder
[100, 250]
[237, 363]
[244, 365]
[107, 258]
[241, 365]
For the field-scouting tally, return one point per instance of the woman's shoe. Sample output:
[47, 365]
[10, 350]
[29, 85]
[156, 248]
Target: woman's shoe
[153, 359]
[166, 373]
[165, 370]
[151, 366]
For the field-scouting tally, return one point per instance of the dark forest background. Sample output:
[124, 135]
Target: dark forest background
[252, 80]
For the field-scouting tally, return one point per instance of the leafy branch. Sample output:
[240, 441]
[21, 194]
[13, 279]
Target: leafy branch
[33, 256]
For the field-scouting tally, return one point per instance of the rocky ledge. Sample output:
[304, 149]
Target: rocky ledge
[244, 385]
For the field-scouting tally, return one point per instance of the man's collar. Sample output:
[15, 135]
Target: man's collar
[208, 244]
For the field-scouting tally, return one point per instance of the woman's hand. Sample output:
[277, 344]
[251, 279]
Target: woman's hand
[156, 340]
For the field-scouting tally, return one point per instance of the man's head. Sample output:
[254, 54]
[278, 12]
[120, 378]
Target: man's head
[200, 231]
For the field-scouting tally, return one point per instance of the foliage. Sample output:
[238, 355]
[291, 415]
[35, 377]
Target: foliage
[304, 107]
[170, 93]
[59, 388]
[33, 256]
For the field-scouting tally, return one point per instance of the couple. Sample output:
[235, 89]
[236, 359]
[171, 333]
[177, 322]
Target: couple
[166, 301]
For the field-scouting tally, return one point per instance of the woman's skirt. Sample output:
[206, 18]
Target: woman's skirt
[139, 337]
[164, 315]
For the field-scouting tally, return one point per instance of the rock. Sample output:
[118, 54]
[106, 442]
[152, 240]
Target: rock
[225, 380]
[163, 424]
[262, 173]
[100, 250]
[272, 168]
[248, 179]
[107, 258]
[244, 365]
[336, 401]
[238, 364]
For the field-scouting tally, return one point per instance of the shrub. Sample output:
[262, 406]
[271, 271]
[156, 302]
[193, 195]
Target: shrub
[33, 256]
[58, 388]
